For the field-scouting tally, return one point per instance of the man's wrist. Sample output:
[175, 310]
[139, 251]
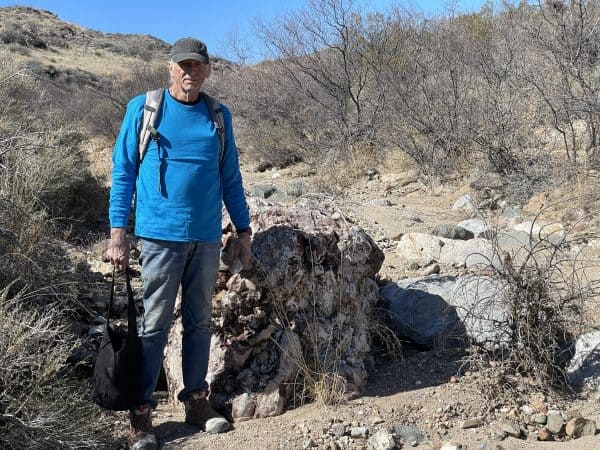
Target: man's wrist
[118, 233]
[242, 231]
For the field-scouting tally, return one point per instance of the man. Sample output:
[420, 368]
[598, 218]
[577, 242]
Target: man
[180, 185]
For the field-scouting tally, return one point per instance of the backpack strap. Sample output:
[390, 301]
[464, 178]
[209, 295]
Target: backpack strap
[153, 102]
[216, 114]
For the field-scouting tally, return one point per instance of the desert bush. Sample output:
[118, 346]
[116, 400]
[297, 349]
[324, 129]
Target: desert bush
[44, 171]
[42, 405]
[46, 192]
[542, 297]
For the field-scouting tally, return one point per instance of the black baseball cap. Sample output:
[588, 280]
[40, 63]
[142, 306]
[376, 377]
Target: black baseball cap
[189, 48]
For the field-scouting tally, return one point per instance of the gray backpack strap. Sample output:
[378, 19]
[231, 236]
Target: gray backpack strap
[147, 131]
[216, 115]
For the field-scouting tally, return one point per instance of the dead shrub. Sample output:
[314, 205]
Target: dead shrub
[42, 405]
[544, 296]
[46, 193]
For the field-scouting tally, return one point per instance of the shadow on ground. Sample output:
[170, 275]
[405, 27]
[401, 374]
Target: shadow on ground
[170, 431]
[415, 370]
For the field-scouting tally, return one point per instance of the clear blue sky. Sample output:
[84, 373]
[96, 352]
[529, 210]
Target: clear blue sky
[212, 21]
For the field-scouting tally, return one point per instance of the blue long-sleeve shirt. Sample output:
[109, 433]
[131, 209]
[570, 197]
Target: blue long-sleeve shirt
[187, 207]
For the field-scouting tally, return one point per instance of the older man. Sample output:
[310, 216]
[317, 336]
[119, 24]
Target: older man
[180, 184]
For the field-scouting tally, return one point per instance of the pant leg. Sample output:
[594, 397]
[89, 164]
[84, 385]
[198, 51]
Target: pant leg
[163, 265]
[198, 285]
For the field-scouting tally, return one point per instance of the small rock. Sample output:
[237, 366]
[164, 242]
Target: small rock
[452, 232]
[509, 427]
[431, 269]
[578, 427]
[453, 379]
[554, 423]
[451, 446]
[527, 409]
[217, 425]
[539, 405]
[309, 443]
[264, 191]
[470, 423]
[544, 435]
[464, 203]
[359, 432]
[338, 429]
[382, 440]
[408, 433]
[539, 419]
[377, 420]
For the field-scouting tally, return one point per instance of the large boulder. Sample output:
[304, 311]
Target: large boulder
[302, 310]
[420, 248]
[419, 308]
[447, 310]
[584, 368]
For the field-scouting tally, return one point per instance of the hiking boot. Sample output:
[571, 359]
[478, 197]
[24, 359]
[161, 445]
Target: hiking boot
[199, 413]
[141, 434]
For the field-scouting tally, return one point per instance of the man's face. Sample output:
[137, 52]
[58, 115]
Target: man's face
[188, 75]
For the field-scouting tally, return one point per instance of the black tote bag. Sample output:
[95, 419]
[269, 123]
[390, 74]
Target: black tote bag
[118, 363]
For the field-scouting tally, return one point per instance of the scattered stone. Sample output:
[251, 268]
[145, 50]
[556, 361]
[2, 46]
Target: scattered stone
[217, 425]
[296, 189]
[409, 434]
[475, 226]
[263, 190]
[453, 379]
[431, 269]
[545, 435]
[509, 427]
[539, 405]
[527, 410]
[382, 440]
[338, 429]
[421, 248]
[464, 203]
[452, 232]
[377, 420]
[309, 443]
[583, 368]
[578, 427]
[539, 418]
[470, 423]
[451, 446]
[554, 423]
[359, 432]
[478, 252]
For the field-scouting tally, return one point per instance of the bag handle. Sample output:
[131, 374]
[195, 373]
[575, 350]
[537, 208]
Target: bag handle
[131, 308]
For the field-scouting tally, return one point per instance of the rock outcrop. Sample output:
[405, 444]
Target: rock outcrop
[300, 312]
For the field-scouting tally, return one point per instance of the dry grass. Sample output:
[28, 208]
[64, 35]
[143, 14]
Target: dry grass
[41, 404]
[545, 291]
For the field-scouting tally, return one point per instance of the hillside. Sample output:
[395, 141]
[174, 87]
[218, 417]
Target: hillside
[396, 169]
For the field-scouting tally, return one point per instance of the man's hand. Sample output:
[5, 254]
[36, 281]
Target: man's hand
[118, 248]
[242, 250]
